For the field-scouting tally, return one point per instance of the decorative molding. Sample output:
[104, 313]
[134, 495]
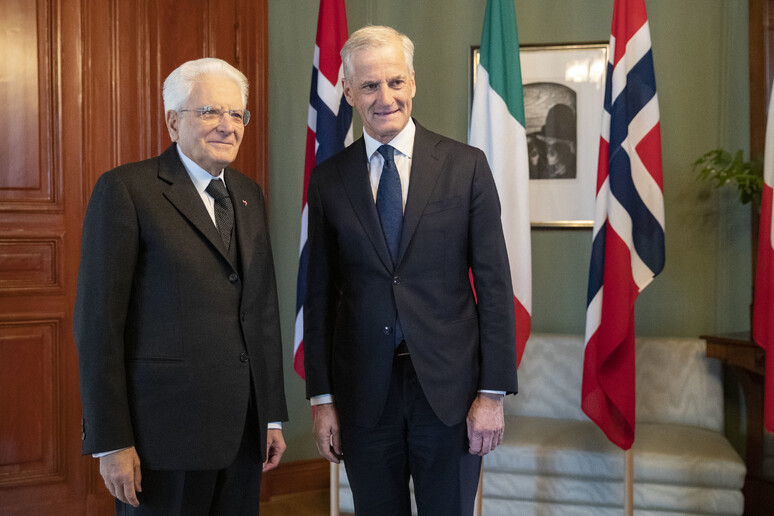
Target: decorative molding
[30, 441]
[31, 265]
[32, 177]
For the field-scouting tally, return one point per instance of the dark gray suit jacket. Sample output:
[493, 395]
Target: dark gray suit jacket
[163, 319]
[451, 225]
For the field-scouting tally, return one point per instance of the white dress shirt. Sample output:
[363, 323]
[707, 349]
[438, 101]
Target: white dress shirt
[201, 180]
[403, 144]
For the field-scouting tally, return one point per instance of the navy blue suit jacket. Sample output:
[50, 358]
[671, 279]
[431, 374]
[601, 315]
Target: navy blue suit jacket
[451, 226]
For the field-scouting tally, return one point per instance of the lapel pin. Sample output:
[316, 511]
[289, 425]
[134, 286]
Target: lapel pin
[244, 202]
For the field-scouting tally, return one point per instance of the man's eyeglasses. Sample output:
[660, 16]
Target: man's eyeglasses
[211, 114]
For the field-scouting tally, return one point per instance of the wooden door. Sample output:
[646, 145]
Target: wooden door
[80, 92]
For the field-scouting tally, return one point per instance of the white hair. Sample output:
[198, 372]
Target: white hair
[180, 83]
[374, 36]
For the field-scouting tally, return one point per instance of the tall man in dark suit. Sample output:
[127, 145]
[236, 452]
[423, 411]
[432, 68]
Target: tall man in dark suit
[407, 368]
[176, 317]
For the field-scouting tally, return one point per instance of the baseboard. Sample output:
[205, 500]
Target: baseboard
[295, 477]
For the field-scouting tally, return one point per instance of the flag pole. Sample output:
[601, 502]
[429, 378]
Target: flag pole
[628, 482]
[478, 508]
[334, 489]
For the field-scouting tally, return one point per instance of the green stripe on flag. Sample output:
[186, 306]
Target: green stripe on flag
[500, 55]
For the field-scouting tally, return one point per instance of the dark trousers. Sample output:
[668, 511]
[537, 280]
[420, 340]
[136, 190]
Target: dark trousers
[234, 491]
[410, 440]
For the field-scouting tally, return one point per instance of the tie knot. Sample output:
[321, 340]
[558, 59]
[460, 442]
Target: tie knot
[387, 152]
[217, 189]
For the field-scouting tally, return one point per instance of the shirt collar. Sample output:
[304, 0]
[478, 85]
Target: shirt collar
[200, 177]
[403, 142]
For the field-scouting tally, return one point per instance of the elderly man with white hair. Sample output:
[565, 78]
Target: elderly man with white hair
[176, 318]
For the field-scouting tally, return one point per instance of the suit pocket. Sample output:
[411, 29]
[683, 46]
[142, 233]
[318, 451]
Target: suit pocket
[158, 360]
[443, 205]
[469, 319]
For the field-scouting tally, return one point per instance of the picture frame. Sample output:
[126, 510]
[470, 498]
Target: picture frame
[564, 87]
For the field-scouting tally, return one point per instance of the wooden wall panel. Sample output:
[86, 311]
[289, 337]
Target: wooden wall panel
[30, 265]
[27, 179]
[253, 59]
[99, 106]
[137, 44]
[19, 128]
[82, 82]
[29, 395]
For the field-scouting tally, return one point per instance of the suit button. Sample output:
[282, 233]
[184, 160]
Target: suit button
[233, 277]
[387, 330]
[244, 357]
[242, 316]
[396, 280]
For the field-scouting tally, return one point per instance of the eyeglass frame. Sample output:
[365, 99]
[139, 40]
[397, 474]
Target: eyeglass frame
[202, 110]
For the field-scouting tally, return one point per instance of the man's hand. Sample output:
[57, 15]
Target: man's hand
[326, 432]
[486, 423]
[121, 472]
[275, 447]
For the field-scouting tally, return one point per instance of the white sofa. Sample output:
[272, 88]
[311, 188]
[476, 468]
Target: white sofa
[555, 461]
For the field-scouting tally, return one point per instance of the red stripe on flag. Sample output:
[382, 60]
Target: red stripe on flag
[523, 321]
[603, 168]
[309, 160]
[649, 151]
[331, 35]
[298, 361]
[628, 18]
[523, 326]
[608, 396]
[763, 304]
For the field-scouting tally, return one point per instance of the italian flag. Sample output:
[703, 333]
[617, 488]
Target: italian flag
[763, 304]
[497, 128]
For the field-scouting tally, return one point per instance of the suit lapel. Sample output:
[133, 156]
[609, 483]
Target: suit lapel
[182, 193]
[426, 165]
[353, 170]
[245, 224]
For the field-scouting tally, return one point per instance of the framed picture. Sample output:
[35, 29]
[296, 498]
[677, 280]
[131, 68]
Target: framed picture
[564, 87]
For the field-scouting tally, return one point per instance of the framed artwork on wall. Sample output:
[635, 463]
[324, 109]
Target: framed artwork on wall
[564, 87]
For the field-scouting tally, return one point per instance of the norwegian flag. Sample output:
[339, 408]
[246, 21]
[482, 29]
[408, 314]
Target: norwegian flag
[763, 304]
[329, 131]
[628, 237]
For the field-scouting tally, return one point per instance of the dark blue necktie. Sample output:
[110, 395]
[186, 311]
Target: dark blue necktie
[389, 201]
[389, 204]
[224, 211]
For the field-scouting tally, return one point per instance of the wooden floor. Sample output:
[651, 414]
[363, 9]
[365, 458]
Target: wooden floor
[309, 503]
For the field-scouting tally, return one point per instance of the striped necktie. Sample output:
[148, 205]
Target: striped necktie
[224, 210]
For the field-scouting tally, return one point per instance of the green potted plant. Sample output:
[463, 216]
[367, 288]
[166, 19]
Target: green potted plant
[721, 168]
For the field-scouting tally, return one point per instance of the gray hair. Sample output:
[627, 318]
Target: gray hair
[180, 83]
[374, 36]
